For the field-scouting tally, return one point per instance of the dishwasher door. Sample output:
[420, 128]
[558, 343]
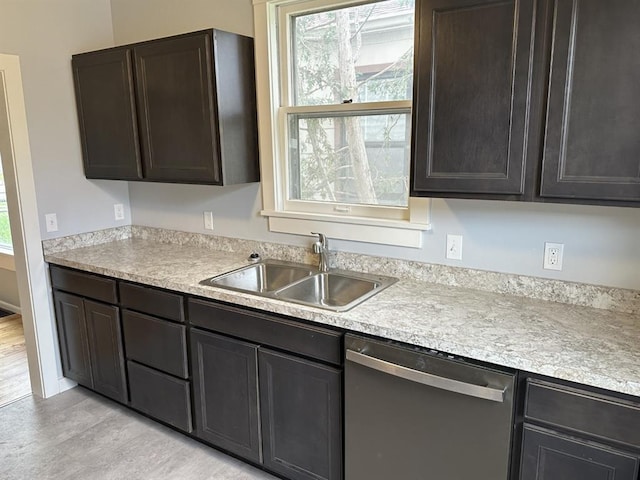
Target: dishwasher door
[412, 414]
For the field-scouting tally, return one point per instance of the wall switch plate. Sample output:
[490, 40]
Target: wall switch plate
[553, 253]
[51, 220]
[454, 247]
[118, 211]
[208, 220]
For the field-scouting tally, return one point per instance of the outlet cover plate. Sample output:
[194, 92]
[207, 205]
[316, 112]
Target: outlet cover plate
[118, 211]
[553, 254]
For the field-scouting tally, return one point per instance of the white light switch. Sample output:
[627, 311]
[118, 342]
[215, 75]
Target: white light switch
[208, 220]
[454, 247]
[51, 220]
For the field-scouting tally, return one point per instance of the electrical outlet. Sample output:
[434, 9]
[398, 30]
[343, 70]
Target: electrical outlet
[553, 253]
[454, 247]
[118, 211]
[208, 220]
[51, 221]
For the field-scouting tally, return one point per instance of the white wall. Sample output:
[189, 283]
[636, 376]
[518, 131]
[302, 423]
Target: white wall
[602, 244]
[45, 33]
[9, 288]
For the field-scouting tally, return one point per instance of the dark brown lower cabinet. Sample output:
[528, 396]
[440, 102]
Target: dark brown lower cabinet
[548, 455]
[301, 417]
[225, 389]
[72, 333]
[573, 433]
[91, 344]
[160, 396]
[105, 347]
[272, 408]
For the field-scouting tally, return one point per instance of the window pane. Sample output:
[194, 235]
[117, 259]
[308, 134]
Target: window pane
[350, 159]
[5, 231]
[362, 53]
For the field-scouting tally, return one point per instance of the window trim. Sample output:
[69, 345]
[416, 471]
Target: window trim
[400, 226]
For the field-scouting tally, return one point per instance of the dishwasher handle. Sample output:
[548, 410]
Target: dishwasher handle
[442, 383]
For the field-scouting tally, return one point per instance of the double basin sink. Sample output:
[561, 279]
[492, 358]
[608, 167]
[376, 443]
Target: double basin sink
[335, 290]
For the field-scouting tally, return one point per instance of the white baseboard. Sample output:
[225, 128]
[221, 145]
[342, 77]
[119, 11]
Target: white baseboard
[65, 384]
[9, 307]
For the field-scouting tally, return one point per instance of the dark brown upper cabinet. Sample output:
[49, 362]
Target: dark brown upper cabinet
[107, 114]
[592, 137]
[472, 93]
[527, 100]
[179, 109]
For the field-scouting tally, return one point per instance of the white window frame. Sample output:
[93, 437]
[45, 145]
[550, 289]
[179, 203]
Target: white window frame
[402, 226]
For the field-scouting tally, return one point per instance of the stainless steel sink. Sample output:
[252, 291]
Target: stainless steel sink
[266, 276]
[336, 290]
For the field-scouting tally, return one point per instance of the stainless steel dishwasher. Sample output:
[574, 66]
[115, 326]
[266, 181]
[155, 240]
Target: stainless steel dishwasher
[417, 414]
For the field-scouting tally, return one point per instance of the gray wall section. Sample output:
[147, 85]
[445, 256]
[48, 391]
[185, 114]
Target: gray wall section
[9, 287]
[44, 34]
[601, 243]
[138, 20]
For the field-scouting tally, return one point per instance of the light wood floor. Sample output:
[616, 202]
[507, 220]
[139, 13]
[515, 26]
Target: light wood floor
[78, 435]
[14, 370]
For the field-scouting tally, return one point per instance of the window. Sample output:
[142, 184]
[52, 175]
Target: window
[5, 232]
[335, 132]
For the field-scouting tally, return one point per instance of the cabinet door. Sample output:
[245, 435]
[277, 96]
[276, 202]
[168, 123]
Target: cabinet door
[105, 347]
[107, 114]
[176, 109]
[471, 95]
[72, 335]
[225, 389]
[547, 455]
[301, 414]
[592, 145]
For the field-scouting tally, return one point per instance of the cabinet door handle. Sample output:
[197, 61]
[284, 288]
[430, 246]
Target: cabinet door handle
[442, 383]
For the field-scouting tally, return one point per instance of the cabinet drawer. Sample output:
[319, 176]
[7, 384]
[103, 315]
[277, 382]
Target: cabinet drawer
[314, 342]
[154, 302]
[160, 396]
[85, 284]
[550, 455]
[584, 412]
[156, 343]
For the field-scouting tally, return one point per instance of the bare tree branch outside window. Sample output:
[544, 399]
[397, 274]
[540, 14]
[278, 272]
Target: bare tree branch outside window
[358, 54]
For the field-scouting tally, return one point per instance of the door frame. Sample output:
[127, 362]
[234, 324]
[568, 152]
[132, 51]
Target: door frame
[31, 270]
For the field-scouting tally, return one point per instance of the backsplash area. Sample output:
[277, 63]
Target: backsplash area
[573, 293]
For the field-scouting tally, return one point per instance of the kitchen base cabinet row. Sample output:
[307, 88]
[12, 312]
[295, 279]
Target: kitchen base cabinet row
[264, 388]
[269, 389]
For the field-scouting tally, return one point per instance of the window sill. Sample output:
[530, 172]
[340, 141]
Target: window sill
[7, 262]
[386, 232]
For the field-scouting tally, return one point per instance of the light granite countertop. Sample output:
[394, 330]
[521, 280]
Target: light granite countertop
[586, 345]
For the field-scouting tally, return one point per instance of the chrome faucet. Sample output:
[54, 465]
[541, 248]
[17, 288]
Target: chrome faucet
[321, 247]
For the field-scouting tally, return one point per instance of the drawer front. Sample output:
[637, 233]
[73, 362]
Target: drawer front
[314, 342]
[84, 284]
[584, 412]
[160, 396]
[154, 302]
[156, 343]
[550, 455]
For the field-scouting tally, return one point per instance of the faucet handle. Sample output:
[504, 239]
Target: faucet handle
[322, 237]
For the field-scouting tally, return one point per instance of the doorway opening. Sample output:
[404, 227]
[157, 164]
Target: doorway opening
[14, 366]
[28, 259]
